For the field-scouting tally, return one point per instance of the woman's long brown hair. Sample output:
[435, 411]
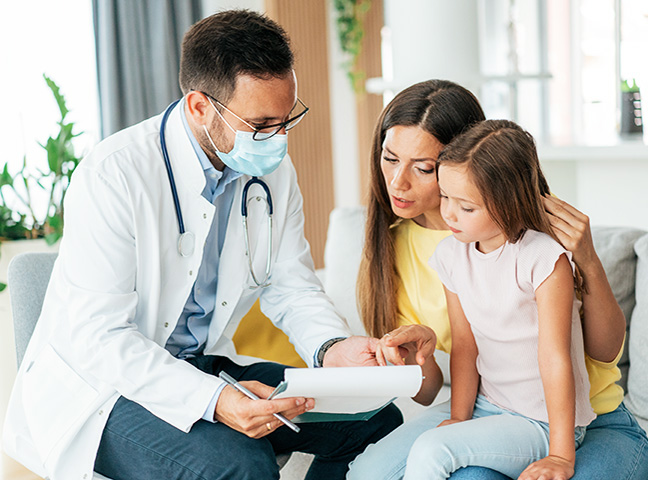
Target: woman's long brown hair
[442, 109]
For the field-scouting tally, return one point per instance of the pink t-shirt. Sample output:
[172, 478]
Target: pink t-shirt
[497, 294]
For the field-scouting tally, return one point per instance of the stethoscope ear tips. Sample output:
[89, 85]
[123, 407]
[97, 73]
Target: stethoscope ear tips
[186, 244]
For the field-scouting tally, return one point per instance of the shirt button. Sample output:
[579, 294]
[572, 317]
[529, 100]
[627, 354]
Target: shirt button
[204, 215]
[100, 412]
[166, 324]
[190, 272]
[224, 304]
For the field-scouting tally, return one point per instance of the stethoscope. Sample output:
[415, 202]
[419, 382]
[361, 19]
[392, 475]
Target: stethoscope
[187, 240]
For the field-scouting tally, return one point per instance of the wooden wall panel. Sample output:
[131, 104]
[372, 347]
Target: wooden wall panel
[309, 144]
[369, 106]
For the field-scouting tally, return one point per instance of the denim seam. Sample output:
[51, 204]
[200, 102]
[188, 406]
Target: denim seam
[144, 447]
[637, 459]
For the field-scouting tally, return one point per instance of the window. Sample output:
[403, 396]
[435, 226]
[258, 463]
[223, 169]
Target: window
[557, 67]
[57, 39]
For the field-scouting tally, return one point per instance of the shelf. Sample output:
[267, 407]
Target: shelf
[624, 150]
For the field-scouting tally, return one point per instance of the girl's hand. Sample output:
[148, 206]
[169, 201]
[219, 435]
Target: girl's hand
[449, 421]
[572, 227]
[549, 468]
[416, 340]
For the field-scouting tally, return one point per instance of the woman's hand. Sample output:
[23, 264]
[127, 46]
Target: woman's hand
[413, 345]
[572, 227]
[415, 341]
[549, 468]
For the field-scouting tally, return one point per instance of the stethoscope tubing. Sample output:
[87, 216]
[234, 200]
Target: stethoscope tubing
[167, 162]
[186, 239]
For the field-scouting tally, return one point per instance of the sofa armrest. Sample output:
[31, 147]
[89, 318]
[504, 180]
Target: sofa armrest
[637, 397]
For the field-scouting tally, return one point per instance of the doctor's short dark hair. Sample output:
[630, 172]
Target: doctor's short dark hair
[219, 48]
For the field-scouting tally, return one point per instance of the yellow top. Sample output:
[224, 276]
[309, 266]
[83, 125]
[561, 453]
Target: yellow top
[605, 394]
[421, 301]
[420, 294]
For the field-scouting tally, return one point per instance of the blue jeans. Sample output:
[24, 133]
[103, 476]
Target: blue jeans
[495, 438]
[615, 447]
[138, 445]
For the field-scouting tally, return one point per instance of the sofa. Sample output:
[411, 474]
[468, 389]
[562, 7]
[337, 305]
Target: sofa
[623, 251]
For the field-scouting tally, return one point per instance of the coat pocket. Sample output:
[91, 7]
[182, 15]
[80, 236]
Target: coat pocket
[55, 398]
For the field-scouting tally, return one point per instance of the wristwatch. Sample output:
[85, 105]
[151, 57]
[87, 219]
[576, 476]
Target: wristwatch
[319, 361]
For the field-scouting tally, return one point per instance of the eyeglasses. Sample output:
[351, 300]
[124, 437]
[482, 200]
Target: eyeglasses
[268, 131]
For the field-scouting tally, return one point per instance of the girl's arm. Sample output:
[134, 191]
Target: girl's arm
[603, 324]
[413, 345]
[555, 300]
[463, 363]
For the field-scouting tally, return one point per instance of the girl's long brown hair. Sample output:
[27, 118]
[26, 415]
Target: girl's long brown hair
[502, 161]
[442, 109]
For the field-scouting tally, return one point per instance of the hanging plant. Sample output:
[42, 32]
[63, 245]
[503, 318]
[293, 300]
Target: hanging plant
[350, 29]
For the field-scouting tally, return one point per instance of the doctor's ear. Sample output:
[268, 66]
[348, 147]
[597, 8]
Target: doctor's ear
[198, 107]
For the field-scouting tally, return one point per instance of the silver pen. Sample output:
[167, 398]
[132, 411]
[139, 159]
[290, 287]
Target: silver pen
[232, 381]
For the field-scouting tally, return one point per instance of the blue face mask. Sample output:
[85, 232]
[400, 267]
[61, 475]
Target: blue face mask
[249, 156]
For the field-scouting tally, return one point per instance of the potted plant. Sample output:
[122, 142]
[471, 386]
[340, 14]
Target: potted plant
[19, 218]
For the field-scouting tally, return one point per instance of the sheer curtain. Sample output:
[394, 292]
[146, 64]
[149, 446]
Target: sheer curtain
[138, 56]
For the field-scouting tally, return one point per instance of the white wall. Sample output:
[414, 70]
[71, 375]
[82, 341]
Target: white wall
[609, 184]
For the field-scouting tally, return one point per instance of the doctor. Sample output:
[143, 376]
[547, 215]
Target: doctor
[153, 278]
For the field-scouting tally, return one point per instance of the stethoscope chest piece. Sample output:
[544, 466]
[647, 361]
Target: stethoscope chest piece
[186, 244]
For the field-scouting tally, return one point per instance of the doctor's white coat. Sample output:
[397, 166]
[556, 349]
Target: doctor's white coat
[119, 286]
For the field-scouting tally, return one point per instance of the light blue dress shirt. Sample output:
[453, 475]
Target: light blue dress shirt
[190, 335]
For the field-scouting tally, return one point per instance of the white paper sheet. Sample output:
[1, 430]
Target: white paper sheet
[352, 389]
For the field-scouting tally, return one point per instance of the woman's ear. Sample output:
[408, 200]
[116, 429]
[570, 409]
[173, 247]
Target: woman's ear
[198, 107]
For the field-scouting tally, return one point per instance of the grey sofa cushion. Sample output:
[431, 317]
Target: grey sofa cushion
[637, 398]
[615, 247]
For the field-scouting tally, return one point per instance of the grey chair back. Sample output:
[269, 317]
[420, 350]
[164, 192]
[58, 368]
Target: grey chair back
[28, 275]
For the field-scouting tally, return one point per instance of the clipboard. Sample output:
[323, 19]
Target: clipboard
[348, 393]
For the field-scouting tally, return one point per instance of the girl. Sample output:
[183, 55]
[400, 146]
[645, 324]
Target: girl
[519, 382]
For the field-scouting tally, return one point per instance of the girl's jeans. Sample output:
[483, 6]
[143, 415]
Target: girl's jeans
[495, 438]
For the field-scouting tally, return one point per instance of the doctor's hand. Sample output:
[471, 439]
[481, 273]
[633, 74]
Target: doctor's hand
[254, 417]
[354, 351]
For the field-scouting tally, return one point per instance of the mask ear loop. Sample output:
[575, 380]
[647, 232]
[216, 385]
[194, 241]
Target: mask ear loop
[220, 115]
[207, 131]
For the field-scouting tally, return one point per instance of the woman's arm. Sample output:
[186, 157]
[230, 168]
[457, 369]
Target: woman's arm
[555, 300]
[463, 363]
[413, 345]
[604, 324]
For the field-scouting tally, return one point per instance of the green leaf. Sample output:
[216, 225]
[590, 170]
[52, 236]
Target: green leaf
[5, 176]
[2, 286]
[52, 238]
[60, 99]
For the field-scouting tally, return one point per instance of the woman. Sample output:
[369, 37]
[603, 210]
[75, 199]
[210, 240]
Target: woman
[399, 294]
